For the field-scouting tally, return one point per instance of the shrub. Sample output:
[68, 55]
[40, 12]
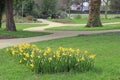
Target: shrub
[48, 6]
[117, 17]
[62, 14]
[77, 17]
[3, 18]
[29, 17]
[66, 20]
[49, 61]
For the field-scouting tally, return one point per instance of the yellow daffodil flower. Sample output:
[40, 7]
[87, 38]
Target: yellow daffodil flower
[92, 56]
[32, 65]
[38, 57]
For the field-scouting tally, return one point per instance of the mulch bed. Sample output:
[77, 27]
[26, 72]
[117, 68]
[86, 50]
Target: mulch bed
[7, 37]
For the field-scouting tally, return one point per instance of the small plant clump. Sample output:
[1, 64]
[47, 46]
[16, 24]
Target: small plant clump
[52, 61]
[77, 17]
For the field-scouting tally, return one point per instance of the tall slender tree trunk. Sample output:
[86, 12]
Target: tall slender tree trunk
[0, 13]
[2, 6]
[106, 12]
[106, 9]
[94, 14]
[69, 4]
[10, 24]
[82, 6]
[0, 18]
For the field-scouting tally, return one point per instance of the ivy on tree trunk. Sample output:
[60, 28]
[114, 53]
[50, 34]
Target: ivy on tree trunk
[10, 24]
[94, 14]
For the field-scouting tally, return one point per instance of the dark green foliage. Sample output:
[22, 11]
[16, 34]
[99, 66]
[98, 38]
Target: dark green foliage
[24, 7]
[28, 8]
[48, 6]
[115, 5]
[36, 11]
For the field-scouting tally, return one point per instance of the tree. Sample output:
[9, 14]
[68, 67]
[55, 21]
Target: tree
[2, 6]
[94, 14]
[115, 5]
[106, 7]
[10, 24]
[48, 6]
[68, 6]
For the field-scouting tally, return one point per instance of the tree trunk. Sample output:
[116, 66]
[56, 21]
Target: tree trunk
[94, 14]
[82, 6]
[0, 18]
[2, 6]
[106, 12]
[10, 24]
[0, 13]
[106, 9]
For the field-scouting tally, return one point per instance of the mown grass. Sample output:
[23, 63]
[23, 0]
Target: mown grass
[22, 34]
[105, 46]
[83, 28]
[21, 26]
[84, 19]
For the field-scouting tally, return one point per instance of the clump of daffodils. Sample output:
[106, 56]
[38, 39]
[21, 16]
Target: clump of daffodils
[50, 61]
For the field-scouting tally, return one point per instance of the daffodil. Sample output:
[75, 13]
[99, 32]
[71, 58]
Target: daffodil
[7, 49]
[32, 60]
[32, 65]
[64, 54]
[32, 54]
[38, 57]
[20, 49]
[48, 50]
[78, 60]
[85, 52]
[27, 55]
[71, 50]
[20, 54]
[45, 54]
[82, 59]
[92, 56]
[40, 51]
[57, 53]
[78, 51]
[20, 61]
[25, 59]
[50, 59]
[13, 52]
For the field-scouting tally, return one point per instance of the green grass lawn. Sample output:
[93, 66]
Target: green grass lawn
[83, 28]
[84, 19]
[22, 34]
[21, 26]
[107, 63]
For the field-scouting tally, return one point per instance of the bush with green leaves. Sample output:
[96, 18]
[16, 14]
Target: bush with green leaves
[62, 14]
[48, 6]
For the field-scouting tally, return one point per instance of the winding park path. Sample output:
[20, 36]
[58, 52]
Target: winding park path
[56, 34]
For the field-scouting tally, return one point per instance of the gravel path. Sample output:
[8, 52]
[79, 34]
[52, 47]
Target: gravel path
[56, 34]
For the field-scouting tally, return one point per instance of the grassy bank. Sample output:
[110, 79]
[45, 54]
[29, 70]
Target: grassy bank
[105, 46]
